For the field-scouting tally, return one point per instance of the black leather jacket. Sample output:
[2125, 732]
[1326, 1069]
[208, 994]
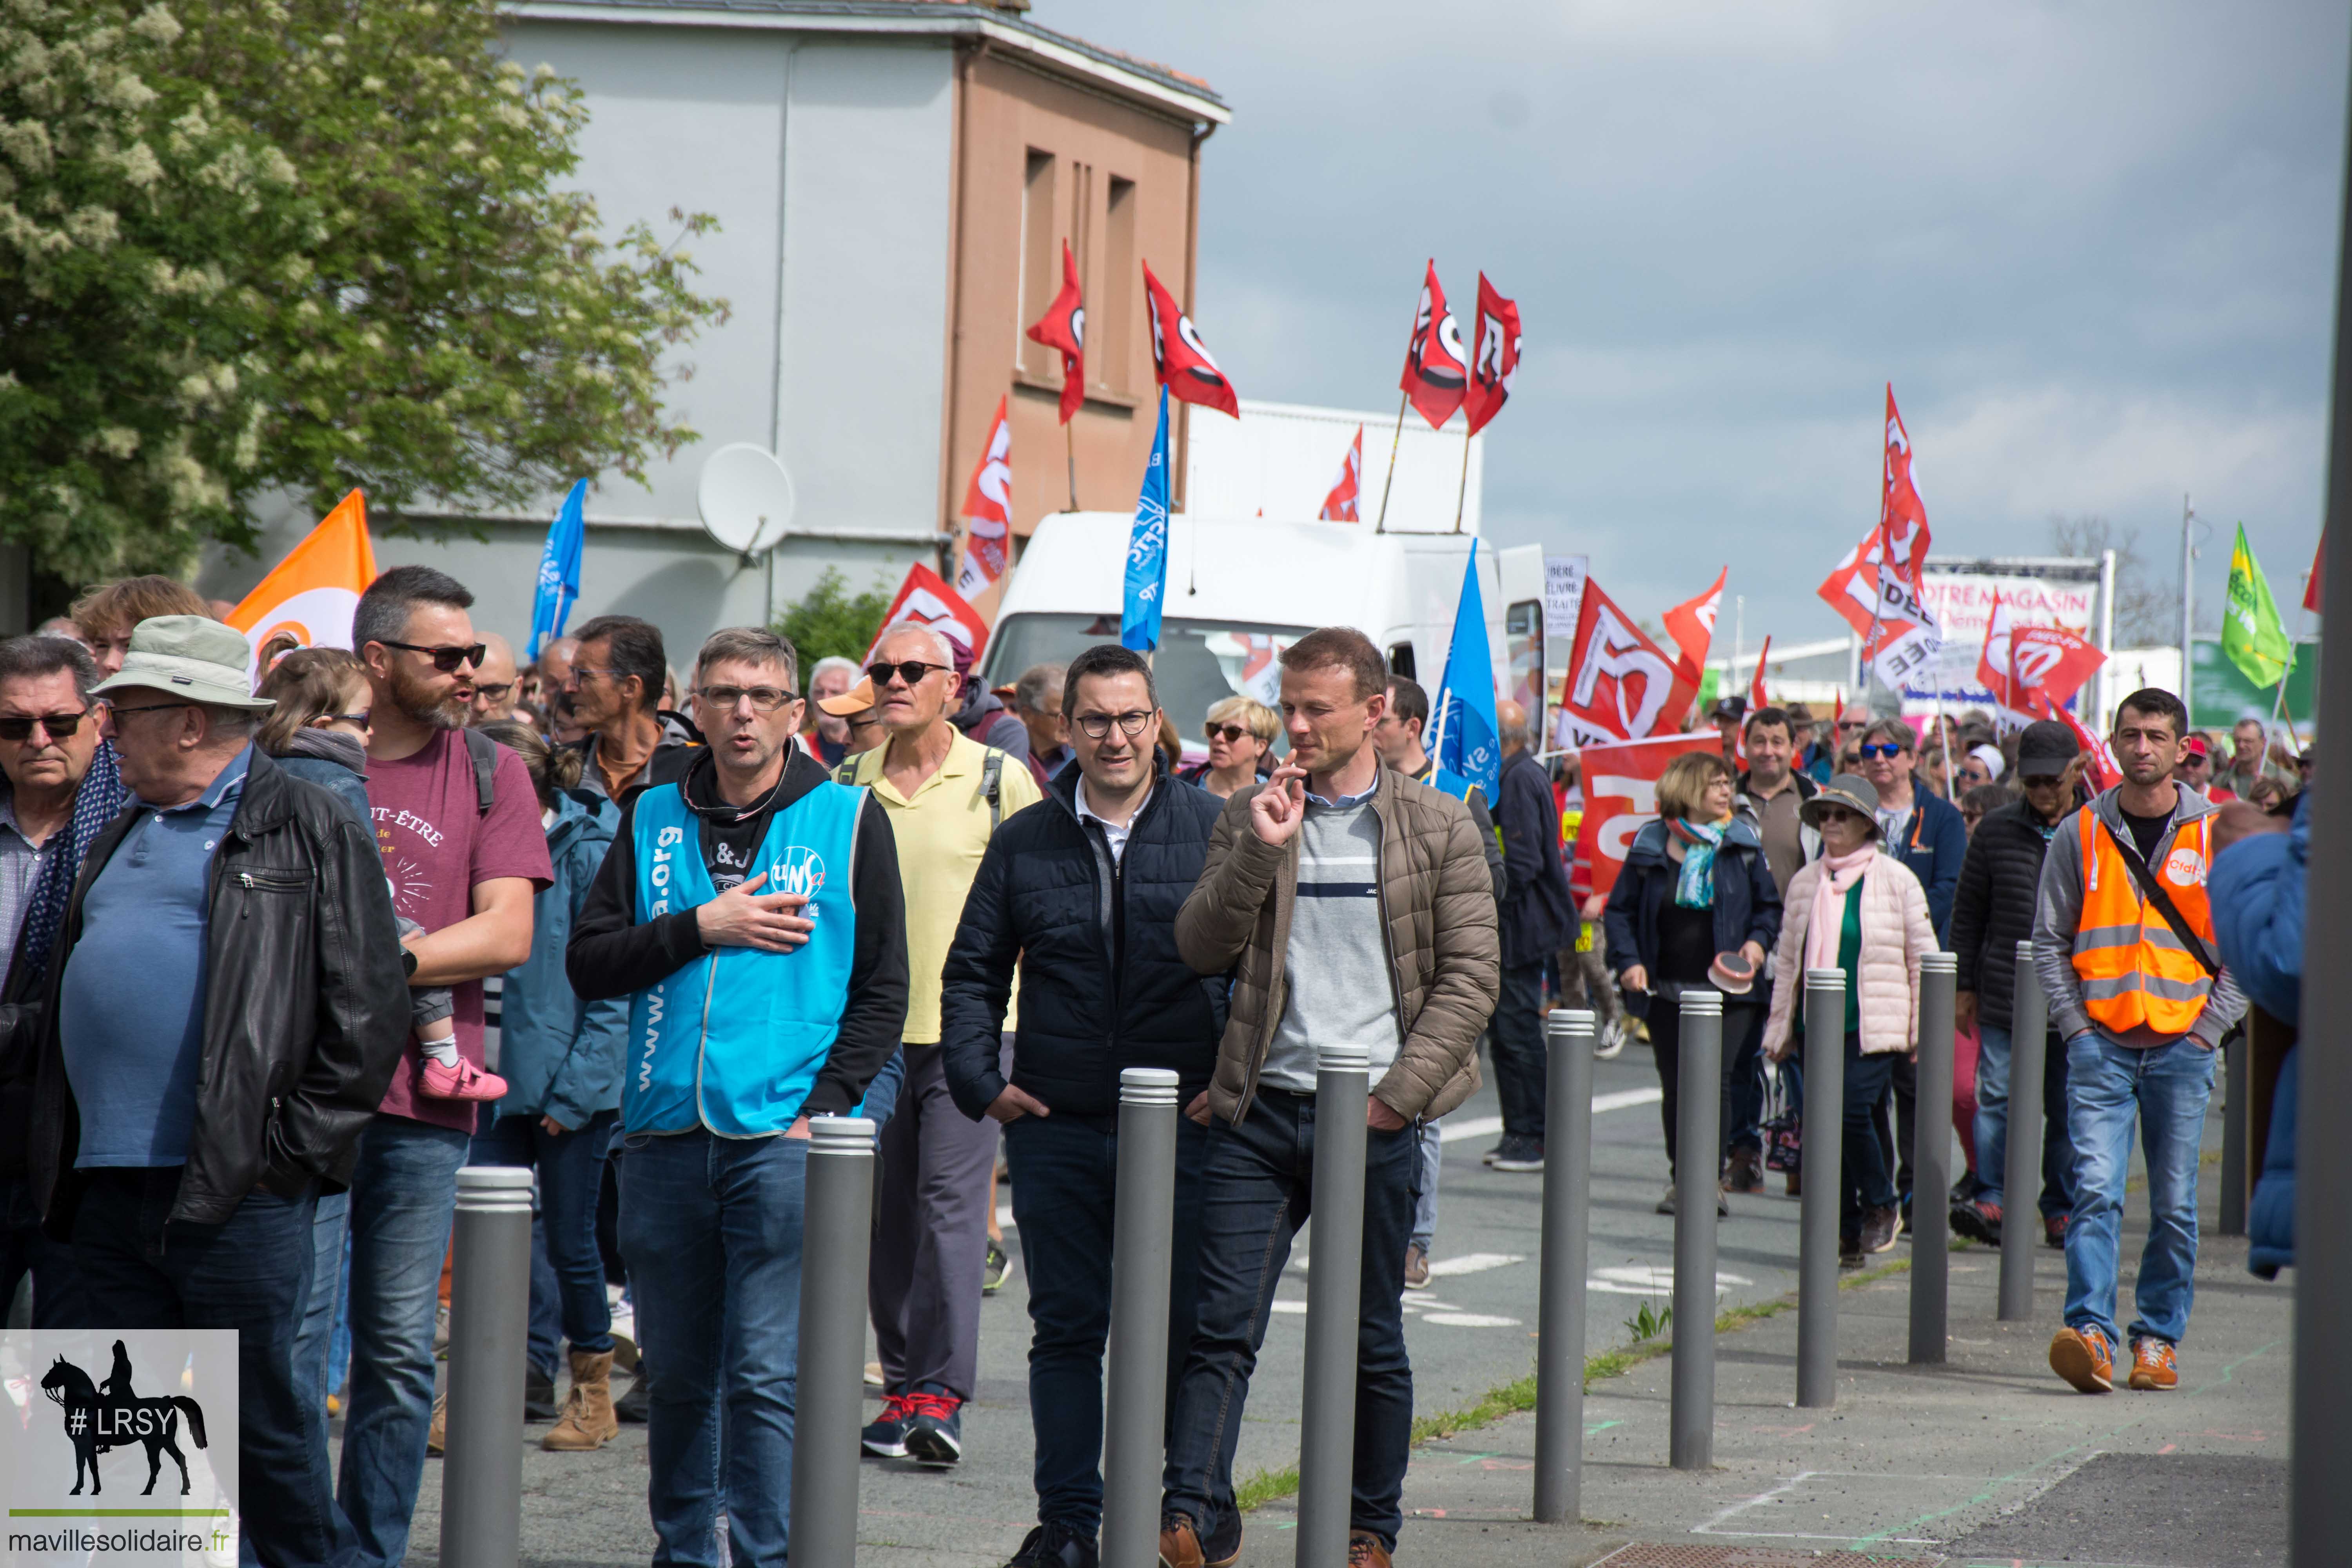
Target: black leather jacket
[306, 1007]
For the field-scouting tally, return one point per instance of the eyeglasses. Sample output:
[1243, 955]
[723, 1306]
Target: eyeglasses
[1845, 724]
[1228, 732]
[493, 690]
[910, 671]
[19, 726]
[362, 720]
[1883, 748]
[764, 699]
[1098, 725]
[445, 658]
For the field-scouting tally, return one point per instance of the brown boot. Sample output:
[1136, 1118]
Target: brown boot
[587, 1422]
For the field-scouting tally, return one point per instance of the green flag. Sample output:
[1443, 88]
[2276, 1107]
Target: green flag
[2251, 635]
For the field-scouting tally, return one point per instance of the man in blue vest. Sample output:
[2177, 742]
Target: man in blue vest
[752, 911]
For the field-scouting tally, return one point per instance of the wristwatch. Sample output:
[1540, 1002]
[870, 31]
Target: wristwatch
[408, 962]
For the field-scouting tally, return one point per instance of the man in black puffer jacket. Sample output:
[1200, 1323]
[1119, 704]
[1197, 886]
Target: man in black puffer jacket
[1082, 889]
[1992, 911]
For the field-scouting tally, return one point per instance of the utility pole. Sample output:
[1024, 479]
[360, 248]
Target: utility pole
[2187, 598]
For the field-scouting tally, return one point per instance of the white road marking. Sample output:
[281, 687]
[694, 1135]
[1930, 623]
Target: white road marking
[1487, 1126]
[1650, 1279]
[1473, 1263]
[1469, 1321]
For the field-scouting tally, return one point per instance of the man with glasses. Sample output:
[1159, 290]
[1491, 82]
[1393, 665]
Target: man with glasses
[615, 688]
[62, 787]
[750, 1015]
[457, 821]
[1079, 896]
[946, 796]
[495, 684]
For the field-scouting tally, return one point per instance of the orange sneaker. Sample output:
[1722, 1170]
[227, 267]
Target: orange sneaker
[2155, 1366]
[2083, 1358]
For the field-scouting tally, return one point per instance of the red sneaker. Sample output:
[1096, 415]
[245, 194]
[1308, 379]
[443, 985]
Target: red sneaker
[2083, 1358]
[463, 1082]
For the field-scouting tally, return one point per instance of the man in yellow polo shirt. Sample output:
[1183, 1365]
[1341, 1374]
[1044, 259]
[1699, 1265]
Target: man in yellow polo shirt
[945, 794]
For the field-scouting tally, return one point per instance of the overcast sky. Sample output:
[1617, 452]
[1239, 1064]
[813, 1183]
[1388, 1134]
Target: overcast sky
[2092, 244]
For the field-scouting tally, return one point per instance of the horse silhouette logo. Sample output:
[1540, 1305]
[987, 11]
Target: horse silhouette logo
[110, 1415]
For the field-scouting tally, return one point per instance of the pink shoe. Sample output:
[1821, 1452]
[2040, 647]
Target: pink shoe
[463, 1082]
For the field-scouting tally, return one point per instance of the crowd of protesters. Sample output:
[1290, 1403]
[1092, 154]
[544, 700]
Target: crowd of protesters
[413, 906]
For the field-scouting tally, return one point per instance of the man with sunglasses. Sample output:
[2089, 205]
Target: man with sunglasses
[615, 688]
[946, 796]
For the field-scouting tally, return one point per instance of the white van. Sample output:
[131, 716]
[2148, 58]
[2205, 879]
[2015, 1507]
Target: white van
[1242, 589]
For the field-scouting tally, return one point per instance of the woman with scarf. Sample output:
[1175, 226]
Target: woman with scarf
[1694, 905]
[1861, 911]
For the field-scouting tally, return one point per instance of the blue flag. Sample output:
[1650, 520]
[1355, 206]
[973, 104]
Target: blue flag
[559, 570]
[1146, 549]
[1470, 745]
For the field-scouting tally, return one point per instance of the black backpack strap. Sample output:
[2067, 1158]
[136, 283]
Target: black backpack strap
[845, 771]
[484, 753]
[2153, 892]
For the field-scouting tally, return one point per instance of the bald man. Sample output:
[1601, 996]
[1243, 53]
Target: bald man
[1538, 919]
[554, 667]
[494, 683]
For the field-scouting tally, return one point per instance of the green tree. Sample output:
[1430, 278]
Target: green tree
[832, 622]
[311, 245]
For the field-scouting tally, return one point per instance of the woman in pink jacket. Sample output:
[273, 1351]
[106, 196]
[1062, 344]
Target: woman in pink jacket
[1856, 910]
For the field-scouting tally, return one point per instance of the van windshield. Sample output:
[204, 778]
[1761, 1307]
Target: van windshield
[1199, 662]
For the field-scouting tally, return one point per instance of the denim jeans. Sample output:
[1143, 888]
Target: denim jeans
[1743, 1051]
[1992, 1121]
[1518, 1047]
[1065, 1174]
[2109, 1088]
[403, 1196]
[250, 1273]
[1741, 1020]
[1425, 1203]
[1865, 1173]
[1257, 1189]
[567, 1282]
[711, 1230]
[329, 1225]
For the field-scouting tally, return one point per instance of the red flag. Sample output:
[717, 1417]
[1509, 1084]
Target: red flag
[1182, 359]
[1993, 663]
[1621, 796]
[2311, 583]
[925, 598]
[1434, 379]
[1340, 505]
[1621, 685]
[1692, 626]
[988, 509]
[2099, 763]
[1756, 681]
[2047, 664]
[1899, 509]
[1064, 327]
[1497, 359]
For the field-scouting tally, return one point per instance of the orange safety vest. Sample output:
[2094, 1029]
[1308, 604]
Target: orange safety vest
[2133, 972]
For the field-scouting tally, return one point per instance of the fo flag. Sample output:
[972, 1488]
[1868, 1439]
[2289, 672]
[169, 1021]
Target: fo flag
[1434, 377]
[1470, 745]
[558, 569]
[1180, 357]
[312, 593]
[1496, 357]
[1340, 505]
[1621, 686]
[1146, 549]
[988, 510]
[1064, 327]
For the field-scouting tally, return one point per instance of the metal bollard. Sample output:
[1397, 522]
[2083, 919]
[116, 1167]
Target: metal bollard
[1567, 1229]
[1326, 1443]
[829, 1402]
[1931, 1214]
[2021, 1182]
[1143, 1244]
[489, 1317]
[2237, 1089]
[1823, 1176]
[1698, 1165]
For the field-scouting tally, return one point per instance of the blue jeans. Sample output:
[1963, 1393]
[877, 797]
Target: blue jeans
[1867, 1179]
[1993, 1122]
[403, 1196]
[711, 1231]
[567, 1275]
[2163, 1089]
[250, 1273]
[1065, 1174]
[1518, 1049]
[1257, 1189]
[1424, 1204]
[329, 1224]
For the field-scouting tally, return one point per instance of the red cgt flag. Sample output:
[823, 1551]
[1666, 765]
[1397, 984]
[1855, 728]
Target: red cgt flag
[2311, 583]
[1692, 626]
[1621, 685]
[1340, 505]
[1182, 359]
[1064, 327]
[1756, 681]
[1434, 379]
[1497, 359]
[988, 509]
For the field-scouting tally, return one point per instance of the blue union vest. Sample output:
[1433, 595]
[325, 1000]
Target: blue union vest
[734, 1040]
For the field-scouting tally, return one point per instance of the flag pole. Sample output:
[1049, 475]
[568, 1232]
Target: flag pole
[1381, 526]
[1461, 494]
[1071, 436]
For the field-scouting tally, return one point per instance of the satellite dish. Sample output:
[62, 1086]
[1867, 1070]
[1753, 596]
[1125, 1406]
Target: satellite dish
[745, 498]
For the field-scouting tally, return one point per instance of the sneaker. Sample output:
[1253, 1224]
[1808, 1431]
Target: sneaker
[935, 1435]
[1880, 1226]
[2083, 1358]
[1796, 1183]
[1666, 1204]
[1850, 1252]
[885, 1437]
[463, 1082]
[1610, 1041]
[991, 1274]
[1979, 1220]
[2054, 1231]
[441, 1331]
[1365, 1550]
[1745, 1174]
[874, 1378]
[2155, 1366]
[1055, 1545]
[1519, 1154]
[1416, 1267]
[625, 1340]
[538, 1394]
[1491, 1155]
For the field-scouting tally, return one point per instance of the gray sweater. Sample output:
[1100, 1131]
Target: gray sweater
[1337, 986]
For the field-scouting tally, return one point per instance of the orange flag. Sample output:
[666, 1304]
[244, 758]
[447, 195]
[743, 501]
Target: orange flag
[313, 592]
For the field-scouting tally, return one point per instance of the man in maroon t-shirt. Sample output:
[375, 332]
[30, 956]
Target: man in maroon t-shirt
[466, 875]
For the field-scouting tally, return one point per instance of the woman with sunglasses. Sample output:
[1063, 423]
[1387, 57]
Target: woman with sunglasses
[1241, 740]
[1859, 909]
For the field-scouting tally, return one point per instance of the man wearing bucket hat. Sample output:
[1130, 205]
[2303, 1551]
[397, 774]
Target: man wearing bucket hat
[222, 1092]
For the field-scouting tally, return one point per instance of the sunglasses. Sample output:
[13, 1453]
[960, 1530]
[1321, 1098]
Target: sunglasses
[19, 726]
[910, 671]
[362, 720]
[1228, 732]
[1883, 748]
[446, 659]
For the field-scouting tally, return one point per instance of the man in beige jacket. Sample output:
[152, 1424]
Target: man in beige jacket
[1354, 906]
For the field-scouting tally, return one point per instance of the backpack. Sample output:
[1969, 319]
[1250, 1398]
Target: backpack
[991, 782]
[483, 753]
